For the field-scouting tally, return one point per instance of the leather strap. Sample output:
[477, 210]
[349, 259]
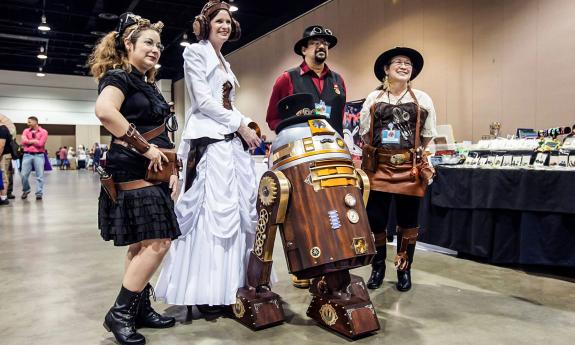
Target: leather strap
[154, 132]
[417, 127]
[136, 184]
[408, 236]
[380, 239]
[136, 140]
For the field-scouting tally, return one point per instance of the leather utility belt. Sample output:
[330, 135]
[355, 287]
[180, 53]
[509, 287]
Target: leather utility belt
[111, 188]
[172, 167]
[373, 156]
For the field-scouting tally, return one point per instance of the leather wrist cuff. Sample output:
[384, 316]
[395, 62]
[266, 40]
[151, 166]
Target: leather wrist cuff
[136, 140]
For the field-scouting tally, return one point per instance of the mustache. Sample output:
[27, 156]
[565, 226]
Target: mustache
[320, 50]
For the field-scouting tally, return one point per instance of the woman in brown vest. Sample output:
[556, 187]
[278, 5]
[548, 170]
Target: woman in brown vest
[396, 124]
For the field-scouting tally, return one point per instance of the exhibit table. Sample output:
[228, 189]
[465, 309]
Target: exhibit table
[507, 216]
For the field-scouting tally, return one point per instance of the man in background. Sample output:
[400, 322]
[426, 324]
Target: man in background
[5, 139]
[33, 141]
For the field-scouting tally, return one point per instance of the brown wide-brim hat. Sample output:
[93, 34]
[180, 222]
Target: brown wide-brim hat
[385, 58]
[315, 31]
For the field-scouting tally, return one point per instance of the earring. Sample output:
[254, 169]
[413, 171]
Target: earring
[386, 83]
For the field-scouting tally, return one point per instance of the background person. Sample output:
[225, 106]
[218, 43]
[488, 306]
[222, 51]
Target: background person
[33, 141]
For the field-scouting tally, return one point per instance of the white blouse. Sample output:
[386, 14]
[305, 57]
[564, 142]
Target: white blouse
[425, 102]
[205, 77]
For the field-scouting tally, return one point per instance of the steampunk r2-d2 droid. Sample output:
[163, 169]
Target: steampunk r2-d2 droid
[316, 198]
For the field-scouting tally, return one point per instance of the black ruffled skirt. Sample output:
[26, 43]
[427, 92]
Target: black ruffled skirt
[139, 214]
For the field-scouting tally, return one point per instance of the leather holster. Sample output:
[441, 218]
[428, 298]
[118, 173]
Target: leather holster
[169, 168]
[369, 158]
[109, 187]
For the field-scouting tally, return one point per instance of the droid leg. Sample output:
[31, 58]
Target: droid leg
[256, 305]
[340, 302]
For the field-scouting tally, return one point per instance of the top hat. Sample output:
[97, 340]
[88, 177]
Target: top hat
[297, 108]
[385, 58]
[315, 31]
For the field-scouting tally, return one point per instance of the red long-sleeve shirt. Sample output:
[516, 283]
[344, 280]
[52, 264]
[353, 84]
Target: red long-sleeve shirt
[39, 134]
[283, 87]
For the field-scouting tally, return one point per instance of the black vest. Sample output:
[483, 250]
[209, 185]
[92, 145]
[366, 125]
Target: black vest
[400, 117]
[329, 94]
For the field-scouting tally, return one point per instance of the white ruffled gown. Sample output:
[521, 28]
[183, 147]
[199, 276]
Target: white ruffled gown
[217, 218]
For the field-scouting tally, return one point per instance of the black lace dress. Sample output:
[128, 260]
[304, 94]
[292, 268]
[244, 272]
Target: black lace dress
[146, 213]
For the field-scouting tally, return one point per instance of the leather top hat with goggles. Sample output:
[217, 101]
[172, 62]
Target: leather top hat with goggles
[128, 19]
[201, 25]
[297, 108]
[315, 31]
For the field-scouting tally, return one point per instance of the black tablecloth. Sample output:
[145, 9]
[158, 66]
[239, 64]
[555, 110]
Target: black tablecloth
[505, 216]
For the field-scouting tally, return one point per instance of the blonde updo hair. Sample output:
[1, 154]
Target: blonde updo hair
[108, 54]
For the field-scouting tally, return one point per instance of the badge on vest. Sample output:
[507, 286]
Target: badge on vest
[390, 136]
[323, 109]
[336, 89]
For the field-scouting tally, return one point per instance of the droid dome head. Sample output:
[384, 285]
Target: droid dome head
[303, 135]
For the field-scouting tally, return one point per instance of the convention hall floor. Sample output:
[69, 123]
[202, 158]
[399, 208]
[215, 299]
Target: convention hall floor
[58, 279]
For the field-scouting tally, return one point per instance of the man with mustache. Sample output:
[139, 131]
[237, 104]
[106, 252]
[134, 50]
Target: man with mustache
[312, 76]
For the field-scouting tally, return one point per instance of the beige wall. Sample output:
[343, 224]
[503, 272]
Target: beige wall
[87, 135]
[56, 141]
[485, 60]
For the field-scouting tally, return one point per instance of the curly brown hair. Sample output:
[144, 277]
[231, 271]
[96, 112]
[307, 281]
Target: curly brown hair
[107, 56]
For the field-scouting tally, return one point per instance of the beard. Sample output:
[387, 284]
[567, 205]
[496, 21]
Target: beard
[318, 57]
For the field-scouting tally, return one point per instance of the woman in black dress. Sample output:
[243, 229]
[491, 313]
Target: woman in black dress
[142, 216]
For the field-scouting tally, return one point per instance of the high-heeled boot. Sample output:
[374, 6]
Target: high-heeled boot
[147, 316]
[120, 320]
[405, 251]
[377, 268]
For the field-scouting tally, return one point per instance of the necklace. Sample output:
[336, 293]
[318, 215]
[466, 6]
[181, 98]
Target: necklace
[399, 100]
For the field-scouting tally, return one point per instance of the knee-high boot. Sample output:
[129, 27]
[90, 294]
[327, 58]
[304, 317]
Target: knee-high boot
[120, 320]
[147, 316]
[378, 263]
[406, 239]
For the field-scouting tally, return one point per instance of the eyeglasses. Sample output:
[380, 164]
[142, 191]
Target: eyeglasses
[318, 43]
[150, 44]
[401, 62]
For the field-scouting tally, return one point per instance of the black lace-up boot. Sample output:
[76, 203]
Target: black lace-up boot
[120, 320]
[147, 316]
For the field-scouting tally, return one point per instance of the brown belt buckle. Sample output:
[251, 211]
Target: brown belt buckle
[397, 159]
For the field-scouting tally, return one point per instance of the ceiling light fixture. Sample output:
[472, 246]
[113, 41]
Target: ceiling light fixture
[108, 16]
[233, 8]
[184, 42]
[40, 73]
[43, 55]
[157, 66]
[43, 25]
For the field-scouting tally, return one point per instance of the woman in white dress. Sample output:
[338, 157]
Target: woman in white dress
[216, 205]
